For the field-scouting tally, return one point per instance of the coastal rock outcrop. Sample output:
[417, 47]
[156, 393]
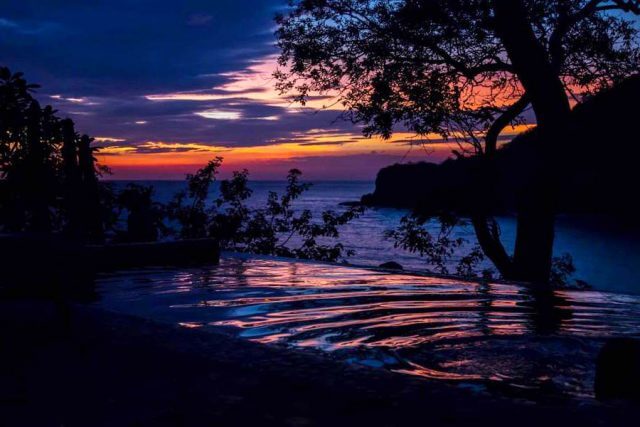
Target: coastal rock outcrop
[595, 169]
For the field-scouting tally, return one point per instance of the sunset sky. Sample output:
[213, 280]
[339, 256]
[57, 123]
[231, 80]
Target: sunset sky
[164, 86]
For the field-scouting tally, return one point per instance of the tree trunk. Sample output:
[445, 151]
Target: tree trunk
[536, 213]
[92, 220]
[72, 188]
[484, 224]
[533, 253]
[486, 233]
[37, 179]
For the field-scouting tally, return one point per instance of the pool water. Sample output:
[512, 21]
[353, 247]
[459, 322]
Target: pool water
[493, 336]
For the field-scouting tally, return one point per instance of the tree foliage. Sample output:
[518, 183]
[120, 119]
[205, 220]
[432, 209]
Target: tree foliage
[465, 70]
[48, 173]
[440, 66]
[145, 217]
[190, 208]
[444, 250]
[49, 182]
[275, 229]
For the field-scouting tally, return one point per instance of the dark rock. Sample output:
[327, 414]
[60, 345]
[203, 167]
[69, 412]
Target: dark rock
[618, 370]
[392, 265]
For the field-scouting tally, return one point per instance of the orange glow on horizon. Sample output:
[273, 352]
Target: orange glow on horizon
[170, 157]
[255, 83]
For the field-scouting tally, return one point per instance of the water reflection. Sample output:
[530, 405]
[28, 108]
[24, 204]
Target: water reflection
[430, 327]
[549, 310]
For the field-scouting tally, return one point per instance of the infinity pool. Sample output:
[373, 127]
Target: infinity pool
[495, 337]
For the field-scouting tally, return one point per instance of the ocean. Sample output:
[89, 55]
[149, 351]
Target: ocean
[606, 251]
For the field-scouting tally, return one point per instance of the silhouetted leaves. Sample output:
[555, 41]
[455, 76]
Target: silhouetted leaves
[276, 229]
[464, 70]
[48, 174]
[145, 219]
[190, 208]
[439, 66]
[439, 249]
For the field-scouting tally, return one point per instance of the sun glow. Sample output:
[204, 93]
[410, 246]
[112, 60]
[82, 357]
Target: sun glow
[296, 150]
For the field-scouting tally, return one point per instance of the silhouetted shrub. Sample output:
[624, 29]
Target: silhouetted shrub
[275, 229]
[189, 208]
[145, 220]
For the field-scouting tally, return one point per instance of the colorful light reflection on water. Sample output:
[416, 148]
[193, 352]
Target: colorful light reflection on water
[499, 335]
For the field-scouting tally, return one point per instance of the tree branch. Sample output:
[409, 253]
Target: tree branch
[488, 237]
[566, 22]
[509, 115]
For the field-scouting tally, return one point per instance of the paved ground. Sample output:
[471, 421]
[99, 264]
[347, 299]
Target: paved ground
[77, 366]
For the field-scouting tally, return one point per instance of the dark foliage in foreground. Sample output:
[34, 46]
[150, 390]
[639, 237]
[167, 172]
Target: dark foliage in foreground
[145, 218]
[48, 173]
[275, 229]
[202, 211]
[49, 183]
[439, 249]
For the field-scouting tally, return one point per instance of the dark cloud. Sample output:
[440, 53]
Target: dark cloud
[257, 124]
[193, 73]
[99, 47]
[108, 65]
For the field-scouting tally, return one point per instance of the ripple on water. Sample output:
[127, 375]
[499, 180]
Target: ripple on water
[501, 335]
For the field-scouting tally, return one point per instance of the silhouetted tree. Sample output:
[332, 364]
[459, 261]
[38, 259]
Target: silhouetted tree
[15, 98]
[465, 70]
[89, 190]
[73, 201]
[48, 175]
[35, 173]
